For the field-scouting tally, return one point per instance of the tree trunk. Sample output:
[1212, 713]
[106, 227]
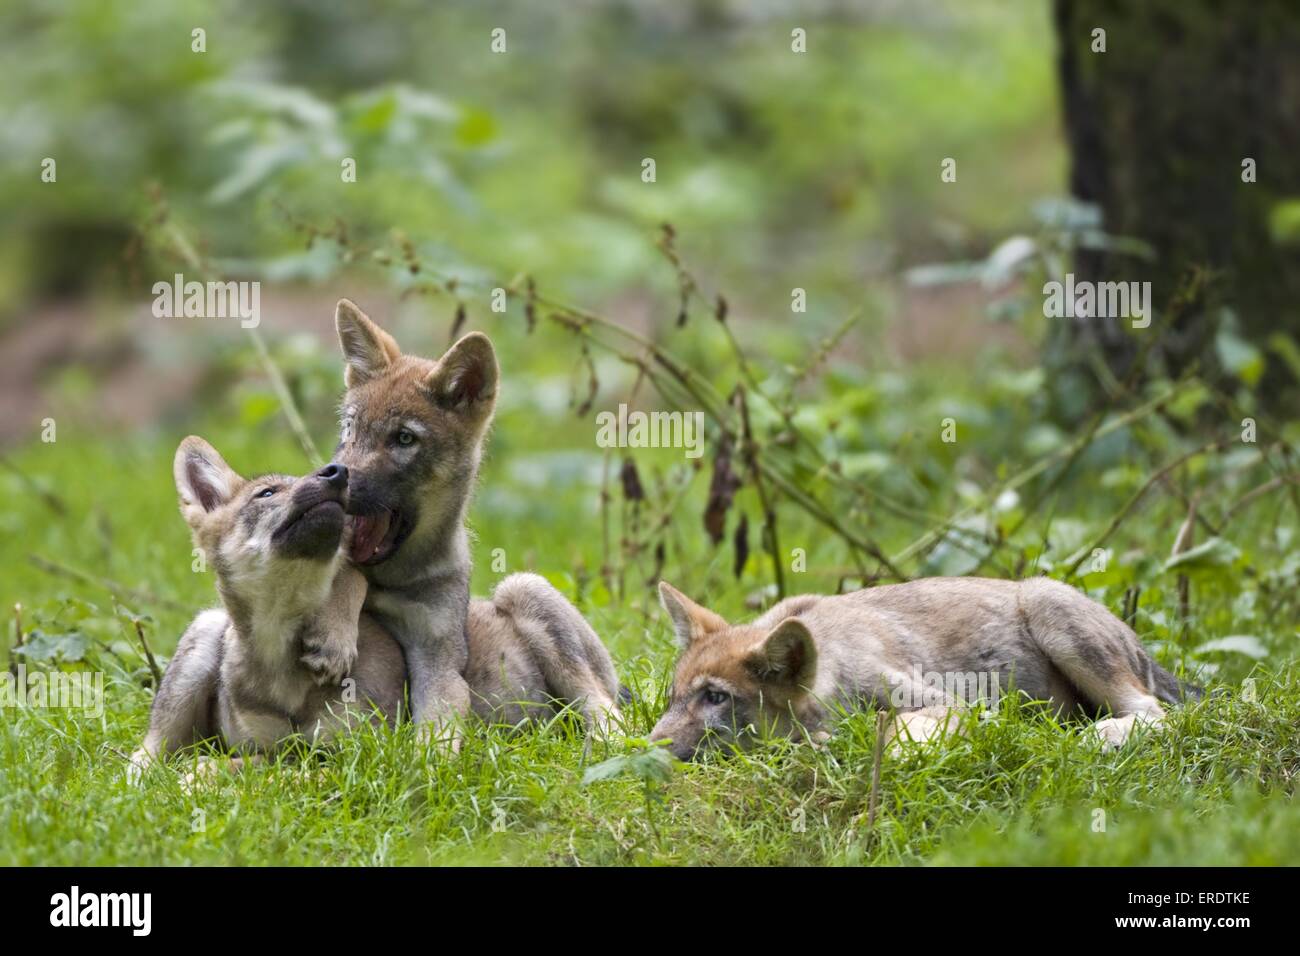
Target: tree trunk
[1158, 128]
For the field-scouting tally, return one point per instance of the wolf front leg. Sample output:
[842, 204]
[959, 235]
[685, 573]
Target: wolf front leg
[442, 709]
[329, 638]
[919, 726]
[433, 640]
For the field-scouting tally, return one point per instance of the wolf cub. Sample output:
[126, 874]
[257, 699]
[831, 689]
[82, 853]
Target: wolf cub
[291, 652]
[809, 657]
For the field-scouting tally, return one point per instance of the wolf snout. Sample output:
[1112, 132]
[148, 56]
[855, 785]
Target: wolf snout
[334, 475]
[681, 749]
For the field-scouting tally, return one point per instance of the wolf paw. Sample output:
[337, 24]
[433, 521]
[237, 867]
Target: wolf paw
[1114, 732]
[136, 767]
[917, 727]
[329, 657]
[211, 770]
[443, 737]
[205, 771]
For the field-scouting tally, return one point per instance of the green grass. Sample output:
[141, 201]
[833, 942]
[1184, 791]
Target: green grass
[1216, 787]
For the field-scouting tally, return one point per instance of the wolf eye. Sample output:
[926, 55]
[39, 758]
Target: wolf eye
[405, 437]
[265, 493]
[715, 697]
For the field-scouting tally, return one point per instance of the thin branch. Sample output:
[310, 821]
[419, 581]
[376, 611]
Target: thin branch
[153, 664]
[1037, 468]
[106, 584]
[18, 639]
[281, 388]
[1258, 492]
[49, 498]
[1129, 505]
[749, 449]
[873, 802]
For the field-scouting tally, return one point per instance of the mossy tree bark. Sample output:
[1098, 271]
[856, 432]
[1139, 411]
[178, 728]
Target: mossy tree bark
[1158, 127]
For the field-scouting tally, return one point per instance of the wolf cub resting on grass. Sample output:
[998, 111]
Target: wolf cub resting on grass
[791, 670]
[272, 661]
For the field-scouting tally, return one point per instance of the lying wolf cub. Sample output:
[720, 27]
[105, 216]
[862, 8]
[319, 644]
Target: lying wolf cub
[791, 670]
[272, 661]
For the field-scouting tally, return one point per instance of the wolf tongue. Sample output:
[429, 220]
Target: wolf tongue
[367, 532]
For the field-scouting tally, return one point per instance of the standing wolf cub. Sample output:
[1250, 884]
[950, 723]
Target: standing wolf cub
[790, 670]
[273, 660]
[411, 438]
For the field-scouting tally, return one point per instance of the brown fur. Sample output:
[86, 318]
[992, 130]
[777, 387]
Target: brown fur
[289, 651]
[810, 658]
[418, 573]
[530, 651]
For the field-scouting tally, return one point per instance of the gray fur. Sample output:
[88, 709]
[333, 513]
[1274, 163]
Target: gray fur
[1039, 637]
[419, 583]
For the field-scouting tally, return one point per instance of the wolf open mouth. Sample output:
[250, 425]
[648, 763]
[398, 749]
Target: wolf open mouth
[374, 536]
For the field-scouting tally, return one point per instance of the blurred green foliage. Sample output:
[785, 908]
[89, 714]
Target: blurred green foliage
[817, 170]
[778, 170]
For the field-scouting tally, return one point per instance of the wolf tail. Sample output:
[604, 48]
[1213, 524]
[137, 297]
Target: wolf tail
[1168, 688]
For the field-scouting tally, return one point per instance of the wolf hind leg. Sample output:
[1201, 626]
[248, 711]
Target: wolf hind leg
[1099, 654]
[1114, 732]
[575, 664]
[183, 704]
[208, 770]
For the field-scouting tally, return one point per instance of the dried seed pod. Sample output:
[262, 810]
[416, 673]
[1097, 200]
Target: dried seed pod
[658, 571]
[740, 543]
[583, 406]
[632, 490]
[457, 323]
[722, 489]
[530, 304]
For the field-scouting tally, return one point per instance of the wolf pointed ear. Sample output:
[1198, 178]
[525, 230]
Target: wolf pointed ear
[787, 655]
[203, 479]
[466, 376]
[690, 621]
[367, 348]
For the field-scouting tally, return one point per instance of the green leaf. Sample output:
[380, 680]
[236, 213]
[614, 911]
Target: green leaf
[606, 770]
[1285, 348]
[1216, 553]
[1239, 357]
[376, 115]
[1238, 644]
[476, 128]
[652, 765]
[41, 646]
[1284, 222]
[866, 464]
